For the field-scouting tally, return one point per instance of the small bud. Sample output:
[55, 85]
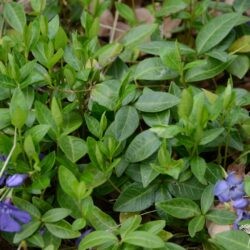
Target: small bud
[16, 180]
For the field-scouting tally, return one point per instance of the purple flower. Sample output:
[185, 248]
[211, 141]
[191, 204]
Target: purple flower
[2, 157]
[240, 203]
[11, 217]
[2, 180]
[16, 180]
[230, 189]
[241, 215]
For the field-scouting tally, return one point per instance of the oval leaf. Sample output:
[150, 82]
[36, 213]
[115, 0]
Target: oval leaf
[144, 239]
[142, 146]
[126, 122]
[215, 30]
[155, 101]
[97, 238]
[180, 208]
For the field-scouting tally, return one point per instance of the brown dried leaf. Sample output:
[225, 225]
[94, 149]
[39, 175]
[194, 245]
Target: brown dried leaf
[169, 25]
[106, 23]
[239, 169]
[121, 28]
[143, 15]
[214, 228]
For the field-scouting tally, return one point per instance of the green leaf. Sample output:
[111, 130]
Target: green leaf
[130, 225]
[156, 47]
[126, 122]
[153, 69]
[144, 239]
[100, 220]
[53, 27]
[27, 231]
[241, 5]
[222, 217]
[27, 206]
[186, 104]
[215, 30]
[18, 109]
[155, 101]
[210, 135]
[138, 34]
[240, 66]
[106, 94]
[126, 12]
[73, 147]
[70, 184]
[44, 116]
[7, 82]
[181, 208]
[148, 174]
[189, 189]
[207, 69]
[171, 7]
[98, 238]
[207, 198]
[154, 227]
[196, 224]
[247, 184]
[56, 112]
[5, 118]
[135, 198]
[198, 168]
[241, 45]
[55, 214]
[167, 131]
[62, 229]
[15, 16]
[172, 246]
[93, 125]
[108, 53]
[232, 240]
[37, 132]
[157, 119]
[142, 146]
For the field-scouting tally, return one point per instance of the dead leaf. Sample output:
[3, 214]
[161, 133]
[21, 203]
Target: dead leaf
[143, 15]
[106, 23]
[120, 29]
[168, 26]
[239, 169]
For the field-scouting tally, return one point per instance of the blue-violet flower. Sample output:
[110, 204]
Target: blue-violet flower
[16, 180]
[11, 217]
[232, 188]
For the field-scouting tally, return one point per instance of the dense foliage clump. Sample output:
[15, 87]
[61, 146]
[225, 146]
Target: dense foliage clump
[124, 125]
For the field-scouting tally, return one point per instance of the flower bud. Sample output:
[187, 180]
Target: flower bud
[16, 180]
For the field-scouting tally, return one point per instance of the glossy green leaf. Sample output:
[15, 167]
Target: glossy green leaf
[53, 27]
[73, 147]
[215, 30]
[62, 229]
[240, 66]
[130, 225]
[27, 231]
[181, 208]
[222, 217]
[155, 101]
[171, 7]
[55, 214]
[126, 122]
[210, 135]
[198, 168]
[144, 239]
[232, 240]
[153, 69]
[142, 146]
[207, 69]
[15, 16]
[156, 119]
[138, 34]
[207, 198]
[196, 224]
[98, 238]
[241, 5]
[135, 198]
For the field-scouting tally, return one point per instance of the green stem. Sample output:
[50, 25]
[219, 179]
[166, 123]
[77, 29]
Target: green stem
[9, 156]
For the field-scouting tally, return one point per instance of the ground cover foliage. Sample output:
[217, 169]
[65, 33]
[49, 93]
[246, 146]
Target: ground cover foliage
[124, 124]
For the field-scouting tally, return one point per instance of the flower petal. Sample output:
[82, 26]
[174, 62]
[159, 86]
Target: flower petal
[233, 179]
[240, 203]
[16, 180]
[221, 190]
[7, 224]
[21, 215]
